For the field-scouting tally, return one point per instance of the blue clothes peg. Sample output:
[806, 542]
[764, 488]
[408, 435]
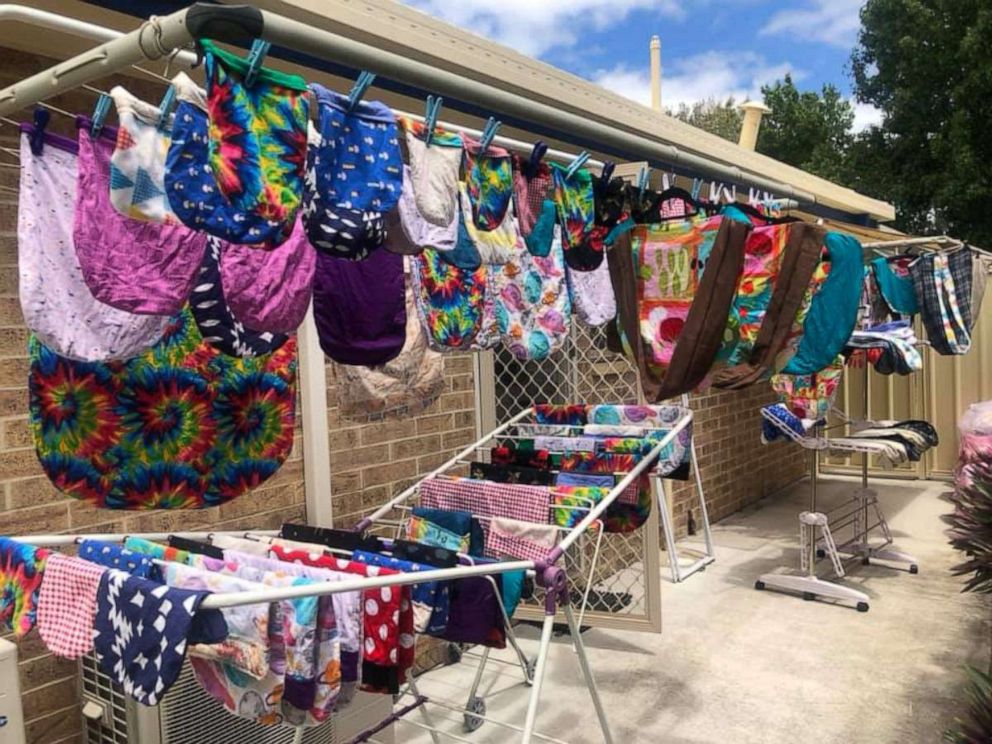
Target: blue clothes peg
[165, 107]
[642, 181]
[579, 161]
[430, 118]
[488, 134]
[697, 185]
[100, 115]
[37, 139]
[257, 54]
[358, 89]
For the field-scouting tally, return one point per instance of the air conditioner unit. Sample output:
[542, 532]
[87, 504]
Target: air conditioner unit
[188, 715]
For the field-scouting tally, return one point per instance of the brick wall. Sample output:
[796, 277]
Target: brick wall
[736, 468]
[374, 457]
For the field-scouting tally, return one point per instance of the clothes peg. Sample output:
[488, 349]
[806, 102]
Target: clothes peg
[489, 134]
[697, 186]
[165, 107]
[537, 154]
[642, 181]
[100, 114]
[258, 51]
[579, 161]
[430, 117]
[358, 89]
[715, 192]
[37, 140]
[607, 173]
[666, 182]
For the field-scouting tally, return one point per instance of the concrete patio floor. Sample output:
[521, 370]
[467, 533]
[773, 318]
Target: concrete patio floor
[737, 665]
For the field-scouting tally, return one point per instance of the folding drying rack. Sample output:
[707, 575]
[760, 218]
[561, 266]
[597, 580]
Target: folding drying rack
[551, 578]
[861, 513]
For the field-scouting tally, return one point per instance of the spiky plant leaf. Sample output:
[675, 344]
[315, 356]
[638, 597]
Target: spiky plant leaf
[976, 727]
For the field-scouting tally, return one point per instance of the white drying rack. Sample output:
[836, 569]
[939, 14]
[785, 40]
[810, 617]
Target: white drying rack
[547, 575]
[862, 513]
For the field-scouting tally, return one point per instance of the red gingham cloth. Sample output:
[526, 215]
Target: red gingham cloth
[502, 542]
[488, 499]
[67, 605]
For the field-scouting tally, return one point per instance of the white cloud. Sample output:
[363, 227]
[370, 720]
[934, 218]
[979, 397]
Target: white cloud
[865, 116]
[834, 22]
[700, 77]
[537, 26]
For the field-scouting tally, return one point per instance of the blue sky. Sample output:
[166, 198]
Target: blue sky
[710, 48]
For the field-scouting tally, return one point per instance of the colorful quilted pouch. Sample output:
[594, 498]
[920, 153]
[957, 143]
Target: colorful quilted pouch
[258, 136]
[180, 426]
[137, 167]
[357, 160]
[489, 178]
[190, 185]
[575, 201]
[533, 307]
[450, 301]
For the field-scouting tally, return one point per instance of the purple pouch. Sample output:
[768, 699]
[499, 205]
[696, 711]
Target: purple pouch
[360, 308]
[269, 290]
[140, 267]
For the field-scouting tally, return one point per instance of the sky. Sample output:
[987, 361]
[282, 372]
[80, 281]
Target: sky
[710, 48]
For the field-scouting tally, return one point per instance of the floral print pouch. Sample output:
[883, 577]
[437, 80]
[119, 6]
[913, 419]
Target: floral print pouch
[533, 307]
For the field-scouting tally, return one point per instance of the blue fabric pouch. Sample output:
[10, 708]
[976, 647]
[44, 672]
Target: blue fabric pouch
[358, 161]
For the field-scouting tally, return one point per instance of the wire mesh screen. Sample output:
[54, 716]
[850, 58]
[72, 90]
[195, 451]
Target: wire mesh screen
[584, 370]
[625, 585]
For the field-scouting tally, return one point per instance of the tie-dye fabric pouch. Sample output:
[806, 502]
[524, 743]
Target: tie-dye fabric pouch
[191, 187]
[258, 137]
[450, 301]
[575, 201]
[489, 178]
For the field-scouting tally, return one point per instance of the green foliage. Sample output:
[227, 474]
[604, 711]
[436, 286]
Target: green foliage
[977, 727]
[927, 64]
[807, 129]
[722, 118]
[971, 524]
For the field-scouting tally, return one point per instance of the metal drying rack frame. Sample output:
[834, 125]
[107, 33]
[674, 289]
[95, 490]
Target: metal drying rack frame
[855, 513]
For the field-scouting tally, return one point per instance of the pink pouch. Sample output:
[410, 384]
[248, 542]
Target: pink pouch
[140, 267]
[58, 307]
[269, 290]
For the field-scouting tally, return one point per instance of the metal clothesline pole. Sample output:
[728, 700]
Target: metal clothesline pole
[157, 38]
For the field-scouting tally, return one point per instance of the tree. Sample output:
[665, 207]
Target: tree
[720, 118]
[807, 129]
[927, 64]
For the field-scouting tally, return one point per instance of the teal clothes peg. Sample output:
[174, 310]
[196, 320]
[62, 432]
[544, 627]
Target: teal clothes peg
[100, 114]
[256, 56]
